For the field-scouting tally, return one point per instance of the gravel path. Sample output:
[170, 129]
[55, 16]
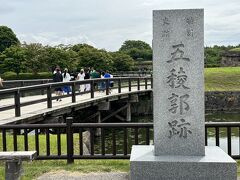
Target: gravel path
[65, 175]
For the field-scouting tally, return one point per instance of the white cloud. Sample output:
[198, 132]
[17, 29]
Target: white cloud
[106, 23]
[54, 39]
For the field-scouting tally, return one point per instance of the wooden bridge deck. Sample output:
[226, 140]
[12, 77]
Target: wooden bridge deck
[39, 110]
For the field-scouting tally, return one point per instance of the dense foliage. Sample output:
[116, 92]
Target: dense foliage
[35, 58]
[7, 38]
[138, 50]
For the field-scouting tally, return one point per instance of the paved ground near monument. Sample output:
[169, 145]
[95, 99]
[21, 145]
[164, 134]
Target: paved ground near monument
[65, 175]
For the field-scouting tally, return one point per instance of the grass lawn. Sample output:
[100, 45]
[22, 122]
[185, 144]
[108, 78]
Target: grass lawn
[222, 79]
[36, 168]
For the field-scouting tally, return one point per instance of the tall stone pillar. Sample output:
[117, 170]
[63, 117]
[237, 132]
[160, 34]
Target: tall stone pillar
[179, 150]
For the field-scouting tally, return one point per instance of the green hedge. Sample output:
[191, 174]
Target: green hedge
[23, 76]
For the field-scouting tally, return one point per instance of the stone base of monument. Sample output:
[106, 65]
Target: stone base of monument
[215, 165]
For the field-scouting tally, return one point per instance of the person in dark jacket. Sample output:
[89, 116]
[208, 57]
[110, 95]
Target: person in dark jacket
[57, 77]
[87, 76]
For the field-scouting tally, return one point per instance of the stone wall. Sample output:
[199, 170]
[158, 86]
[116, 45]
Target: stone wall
[230, 59]
[222, 101]
[214, 101]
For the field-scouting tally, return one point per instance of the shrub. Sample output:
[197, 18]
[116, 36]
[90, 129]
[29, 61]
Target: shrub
[23, 76]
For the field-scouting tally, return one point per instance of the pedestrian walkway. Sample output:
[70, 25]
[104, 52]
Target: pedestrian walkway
[40, 109]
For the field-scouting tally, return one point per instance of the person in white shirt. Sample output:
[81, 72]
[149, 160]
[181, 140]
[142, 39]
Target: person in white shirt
[1, 80]
[66, 78]
[81, 76]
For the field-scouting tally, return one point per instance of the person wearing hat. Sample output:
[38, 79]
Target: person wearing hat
[66, 78]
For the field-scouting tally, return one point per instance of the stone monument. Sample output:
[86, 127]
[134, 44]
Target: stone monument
[179, 151]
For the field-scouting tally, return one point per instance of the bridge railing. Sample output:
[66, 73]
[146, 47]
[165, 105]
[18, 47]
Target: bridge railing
[18, 93]
[21, 83]
[113, 140]
[133, 73]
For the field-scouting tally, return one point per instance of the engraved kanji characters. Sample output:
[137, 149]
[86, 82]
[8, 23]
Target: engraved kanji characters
[178, 102]
[189, 21]
[166, 31]
[178, 53]
[190, 32]
[177, 80]
[180, 129]
[166, 21]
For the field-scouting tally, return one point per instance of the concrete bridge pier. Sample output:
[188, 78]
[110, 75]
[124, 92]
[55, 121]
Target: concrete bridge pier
[129, 114]
[98, 131]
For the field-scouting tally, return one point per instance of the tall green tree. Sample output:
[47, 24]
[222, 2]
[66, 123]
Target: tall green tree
[79, 47]
[65, 58]
[7, 38]
[122, 62]
[13, 59]
[138, 50]
[92, 57]
[34, 60]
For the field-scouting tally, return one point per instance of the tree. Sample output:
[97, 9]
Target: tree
[138, 50]
[7, 38]
[13, 59]
[92, 57]
[79, 47]
[54, 56]
[34, 61]
[130, 44]
[122, 62]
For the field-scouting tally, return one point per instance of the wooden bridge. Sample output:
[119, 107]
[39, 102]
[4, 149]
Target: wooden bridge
[19, 105]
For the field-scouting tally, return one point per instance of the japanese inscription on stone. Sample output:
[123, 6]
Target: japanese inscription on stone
[178, 82]
[166, 31]
[178, 101]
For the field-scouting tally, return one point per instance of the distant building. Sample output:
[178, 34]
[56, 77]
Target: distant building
[230, 58]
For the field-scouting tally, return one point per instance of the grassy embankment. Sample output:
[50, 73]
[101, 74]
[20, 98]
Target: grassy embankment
[222, 79]
[216, 79]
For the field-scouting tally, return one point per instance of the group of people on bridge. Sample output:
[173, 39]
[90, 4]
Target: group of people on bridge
[84, 74]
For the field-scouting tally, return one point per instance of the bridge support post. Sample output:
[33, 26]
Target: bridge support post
[129, 117]
[69, 129]
[98, 131]
[104, 106]
[49, 97]
[22, 85]
[17, 103]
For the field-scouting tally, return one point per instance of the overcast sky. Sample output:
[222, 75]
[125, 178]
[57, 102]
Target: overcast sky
[108, 23]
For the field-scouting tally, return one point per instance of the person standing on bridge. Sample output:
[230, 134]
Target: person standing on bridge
[57, 77]
[1, 84]
[66, 78]
[108, 75]
[87, 76]
[81, 76]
